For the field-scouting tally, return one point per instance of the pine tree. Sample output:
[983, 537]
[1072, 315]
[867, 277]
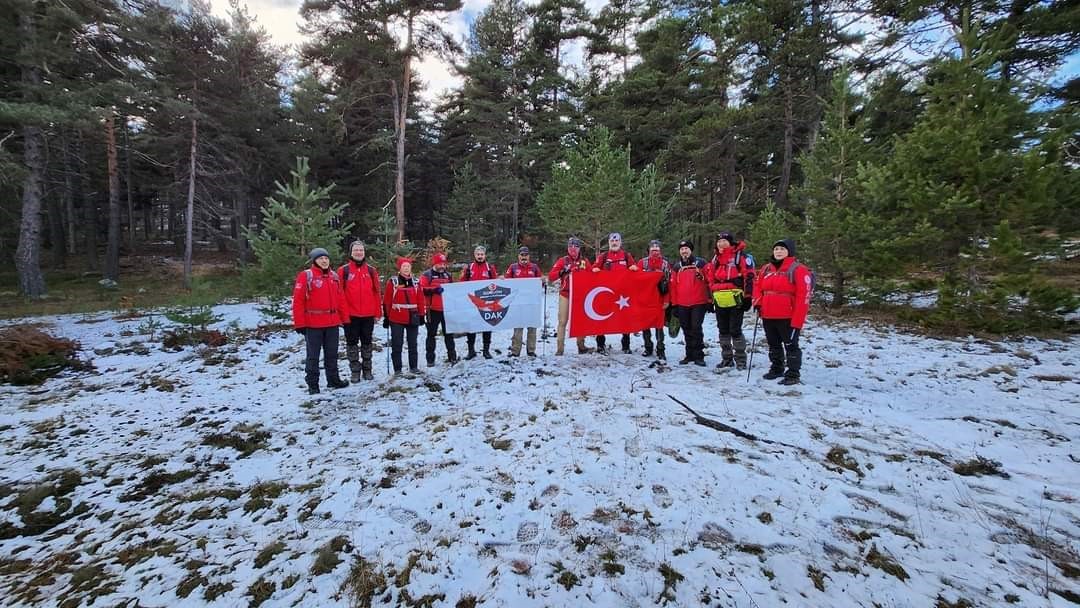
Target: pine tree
[594, 192]
[297, 219]
[771, 225]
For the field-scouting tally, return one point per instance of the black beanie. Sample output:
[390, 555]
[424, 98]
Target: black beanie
[686, 244]
[786, 244]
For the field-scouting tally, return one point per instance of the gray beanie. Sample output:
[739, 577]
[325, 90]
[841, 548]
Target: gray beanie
[317, 253]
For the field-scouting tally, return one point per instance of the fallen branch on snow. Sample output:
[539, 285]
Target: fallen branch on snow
[726, 428]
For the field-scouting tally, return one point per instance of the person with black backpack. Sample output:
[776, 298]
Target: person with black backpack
[524, 268]
[782, 295]
[615, 258]
[656, 262]
[363, 301]
[731, 282]
[479, 270]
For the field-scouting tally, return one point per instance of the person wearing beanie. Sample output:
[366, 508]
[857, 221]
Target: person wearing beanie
[731, 283]
[431, 283]
[360, 282]
[654, 261]
[523, 268]
[318, 309]
[404, 307]
[479, 270]
[782, 295]
[562, 271]
[689, 296]
[615, 258]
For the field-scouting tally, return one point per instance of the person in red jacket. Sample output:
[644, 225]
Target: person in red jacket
[479, 270]
[431, 283]
[782, 295]
[689, 296]
[615, 258]
[403, 305]
[318, 310]
[562, 271]
[524, 268]
[656, 262]
[364, 304]
[731, 282]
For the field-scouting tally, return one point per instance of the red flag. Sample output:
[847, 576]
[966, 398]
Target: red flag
[610, 302]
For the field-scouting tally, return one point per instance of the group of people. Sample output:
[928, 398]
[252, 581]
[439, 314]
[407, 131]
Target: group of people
[729, 284]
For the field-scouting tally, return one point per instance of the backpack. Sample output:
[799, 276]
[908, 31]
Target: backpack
[790, 272]
[735, 261]
[487, 268]
[515, 269]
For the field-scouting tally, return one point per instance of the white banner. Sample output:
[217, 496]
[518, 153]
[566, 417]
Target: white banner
[475, 306]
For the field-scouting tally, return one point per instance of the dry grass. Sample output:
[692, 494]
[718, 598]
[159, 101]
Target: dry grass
[364, 583]
[28, 355]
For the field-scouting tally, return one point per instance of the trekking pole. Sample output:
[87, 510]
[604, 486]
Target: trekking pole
[543, 331]
[753, 347]
[386, 347]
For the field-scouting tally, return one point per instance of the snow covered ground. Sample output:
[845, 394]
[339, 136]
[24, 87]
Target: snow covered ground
[209, 477]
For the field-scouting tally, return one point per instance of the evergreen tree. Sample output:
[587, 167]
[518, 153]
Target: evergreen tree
[594, 191]
[297, 219]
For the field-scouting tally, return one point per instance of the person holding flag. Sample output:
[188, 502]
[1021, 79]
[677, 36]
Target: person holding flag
[656, 262]
[561, 271]
[431, 282]
[689, 296]
[617, 259]
[524, 268]
[479, 270]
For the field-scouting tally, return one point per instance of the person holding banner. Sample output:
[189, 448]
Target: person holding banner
[431, 282]
[404, 308]
[689, 296]
[524, 268]
[656, 262]
[731, 281]
[562, 269]
[615, 258]
[479, 270]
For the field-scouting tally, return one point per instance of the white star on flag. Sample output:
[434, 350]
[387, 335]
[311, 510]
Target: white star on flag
[623, 302]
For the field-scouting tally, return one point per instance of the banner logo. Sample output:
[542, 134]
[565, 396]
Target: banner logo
[489, 303]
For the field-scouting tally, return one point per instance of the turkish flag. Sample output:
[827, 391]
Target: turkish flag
[614, 302]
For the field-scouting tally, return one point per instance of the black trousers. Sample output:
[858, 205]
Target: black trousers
[648, 334]
[601, 341]
[729, 321]
[690, 321]
[398, 333]
[360, 330]
[783, 346]
[434, 320]
[470, 339]
[322, 340]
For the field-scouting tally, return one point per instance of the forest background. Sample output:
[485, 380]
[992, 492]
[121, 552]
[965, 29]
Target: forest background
[917, 150]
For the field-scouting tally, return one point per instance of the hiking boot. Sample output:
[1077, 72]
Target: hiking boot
[699, 362]
[337, 383]
[531, 353]
[685, 360]
[368, 375]
[725, 363]
[773, 374]
[487, 354]
[559, 353]
[513, 354]
[626, 351]
[740, 365]
[789, 380]
[471, 355]
[660, 355]
[355, 376]
[431, 363]
[313, 389]
[647, 353]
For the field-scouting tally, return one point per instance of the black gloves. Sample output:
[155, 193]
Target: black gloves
[437, 290]
[301, 331]
[737, 282]
[746, 303]
[386, 322]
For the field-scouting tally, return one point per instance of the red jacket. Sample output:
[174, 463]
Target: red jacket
[618, 260]
[522, 271]
[401, 297]
[362, 297]
[317, 299]
[781, 297]
[568, 265]
[430, 281]
[729, 264]
[689, 283]
[476, 271]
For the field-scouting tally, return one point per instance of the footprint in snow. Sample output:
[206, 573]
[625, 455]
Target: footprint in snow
[633, 446]
[408, 517]
[661, 496]
[528, 531]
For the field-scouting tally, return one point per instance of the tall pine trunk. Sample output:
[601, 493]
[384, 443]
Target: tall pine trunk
[789, 146]
[28, 251]
[401, 112]
[127, 186]
[70, 188]
[89, 202]
[190, 204]
[112, 247]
